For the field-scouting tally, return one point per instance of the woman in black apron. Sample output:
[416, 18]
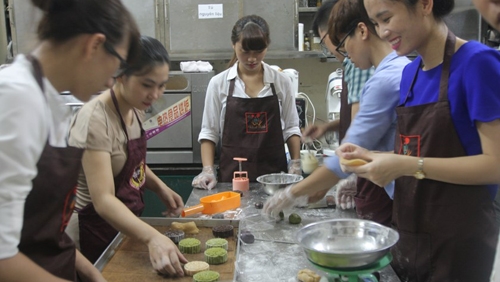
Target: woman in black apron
[111, 184]
[253, 106]
[446, 154]
[40, 170]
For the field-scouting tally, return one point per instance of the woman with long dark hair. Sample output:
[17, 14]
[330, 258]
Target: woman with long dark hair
[114, 174]
[250, 109]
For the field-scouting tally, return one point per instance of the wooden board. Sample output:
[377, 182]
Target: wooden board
[130, 261]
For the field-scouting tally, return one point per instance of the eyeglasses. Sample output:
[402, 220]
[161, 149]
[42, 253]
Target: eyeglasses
[342, 51]
[110, 49]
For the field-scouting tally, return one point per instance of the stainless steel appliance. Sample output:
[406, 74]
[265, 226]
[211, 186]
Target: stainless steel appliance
[178, 143]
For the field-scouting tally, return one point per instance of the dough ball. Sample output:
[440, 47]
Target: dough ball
[307, 275]
[294, 218]
[188, 227]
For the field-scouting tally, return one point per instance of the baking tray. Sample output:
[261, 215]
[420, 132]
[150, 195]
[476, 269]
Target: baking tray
[128, 260]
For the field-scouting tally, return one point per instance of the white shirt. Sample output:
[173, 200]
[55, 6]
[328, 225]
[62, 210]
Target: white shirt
[217, 92]
[26, 118]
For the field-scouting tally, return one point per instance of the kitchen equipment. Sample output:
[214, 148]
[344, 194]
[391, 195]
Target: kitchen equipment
[215, 203]
[240, 178]
[346, 243]
[275, 181]
[308, 161]
[174, 134]
[125, 259]
[333, 92]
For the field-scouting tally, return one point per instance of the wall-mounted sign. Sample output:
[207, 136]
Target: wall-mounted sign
[211, 11]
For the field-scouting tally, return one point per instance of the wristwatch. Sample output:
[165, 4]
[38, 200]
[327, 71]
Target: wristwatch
[419, 174]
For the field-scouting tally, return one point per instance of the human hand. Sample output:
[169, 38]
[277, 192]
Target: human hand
[313, 132]
[382, 167]
[206, 179]
[283, 199]
[172, 201]
[294, 167]
[346, 190]
[165, 256]
[350, 151]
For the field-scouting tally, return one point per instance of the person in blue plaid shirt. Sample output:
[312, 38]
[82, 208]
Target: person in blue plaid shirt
[354, 78]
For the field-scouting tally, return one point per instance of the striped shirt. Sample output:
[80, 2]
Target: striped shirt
[355, 79]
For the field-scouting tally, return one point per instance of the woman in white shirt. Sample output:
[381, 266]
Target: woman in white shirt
[250, 109]
[81, 45]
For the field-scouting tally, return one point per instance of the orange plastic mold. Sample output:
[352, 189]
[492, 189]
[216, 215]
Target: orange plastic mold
[215, 203]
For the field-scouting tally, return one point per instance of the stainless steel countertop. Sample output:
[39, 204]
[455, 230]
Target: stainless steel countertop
[267, 259]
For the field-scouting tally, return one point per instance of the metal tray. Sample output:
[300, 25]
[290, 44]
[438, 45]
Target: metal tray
[113, 247]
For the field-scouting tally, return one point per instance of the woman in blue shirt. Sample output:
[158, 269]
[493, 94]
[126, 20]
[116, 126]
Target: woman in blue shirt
[446, 157]
[375, 123]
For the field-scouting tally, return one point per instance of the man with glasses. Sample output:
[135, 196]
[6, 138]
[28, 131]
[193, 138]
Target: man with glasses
[353, 81]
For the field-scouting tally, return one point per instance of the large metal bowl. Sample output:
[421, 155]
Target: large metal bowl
[346, 243]
[275, 181]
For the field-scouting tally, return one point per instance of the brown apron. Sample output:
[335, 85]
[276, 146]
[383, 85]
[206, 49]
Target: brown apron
[372, 202]
[252, 130]
[447, 231]
[345, 112]
[49, 206]
[95, 232]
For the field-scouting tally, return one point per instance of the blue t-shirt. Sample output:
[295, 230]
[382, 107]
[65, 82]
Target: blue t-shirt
[472, 91]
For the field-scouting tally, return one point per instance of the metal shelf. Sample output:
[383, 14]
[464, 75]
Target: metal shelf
[227, 55]
[308, 9]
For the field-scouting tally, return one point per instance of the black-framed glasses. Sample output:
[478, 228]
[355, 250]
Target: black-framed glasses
[341, 48]
[110, 49]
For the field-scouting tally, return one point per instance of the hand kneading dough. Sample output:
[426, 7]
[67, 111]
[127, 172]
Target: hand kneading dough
[188, 227]
[353, 162]
[307, 275]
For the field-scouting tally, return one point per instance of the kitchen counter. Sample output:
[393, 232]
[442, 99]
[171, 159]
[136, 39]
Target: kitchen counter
[274, 256]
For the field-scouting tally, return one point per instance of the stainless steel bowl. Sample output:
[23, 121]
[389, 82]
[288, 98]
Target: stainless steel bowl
[346, 243]
[275, 181]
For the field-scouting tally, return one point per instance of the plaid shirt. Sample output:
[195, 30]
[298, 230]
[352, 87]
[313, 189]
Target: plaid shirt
[355, 79]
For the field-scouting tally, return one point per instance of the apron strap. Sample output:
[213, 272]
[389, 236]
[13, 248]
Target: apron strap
[124, 127]
[449, 50]
[273, 89]
[231, 88]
